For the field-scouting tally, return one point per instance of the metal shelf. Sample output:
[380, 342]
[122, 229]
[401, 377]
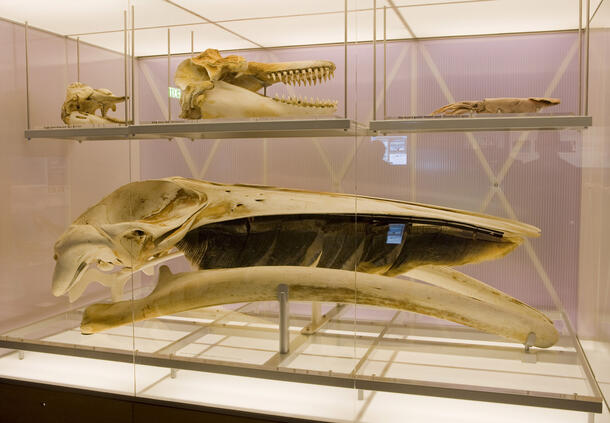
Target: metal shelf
[205, 130]
[459, 342]
[299, 128]
[480, 123]
[91, 134]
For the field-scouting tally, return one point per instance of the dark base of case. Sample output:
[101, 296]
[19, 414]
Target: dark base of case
[27, 402]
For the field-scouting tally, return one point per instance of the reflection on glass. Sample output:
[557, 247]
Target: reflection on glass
[395, 149]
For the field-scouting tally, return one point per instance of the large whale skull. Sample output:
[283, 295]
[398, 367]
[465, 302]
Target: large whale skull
[244, 240]
[213, 86]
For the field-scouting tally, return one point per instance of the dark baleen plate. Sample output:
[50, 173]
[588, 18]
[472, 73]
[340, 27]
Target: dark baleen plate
[365, 243]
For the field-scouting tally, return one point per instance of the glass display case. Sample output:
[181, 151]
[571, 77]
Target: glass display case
[255, 183]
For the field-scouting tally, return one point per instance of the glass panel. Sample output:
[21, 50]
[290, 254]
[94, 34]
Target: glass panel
[203, 205]
[46, 184]
[530, 176]
[594, 155]
[234, 345]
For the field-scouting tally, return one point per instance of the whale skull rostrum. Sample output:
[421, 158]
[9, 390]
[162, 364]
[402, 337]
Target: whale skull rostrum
[213, 86]
[241, 239]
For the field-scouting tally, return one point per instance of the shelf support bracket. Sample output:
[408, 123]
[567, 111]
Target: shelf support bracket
[282, 295]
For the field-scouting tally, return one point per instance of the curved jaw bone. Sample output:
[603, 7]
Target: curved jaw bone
[186, 291]
[498, 105]
[217, 87]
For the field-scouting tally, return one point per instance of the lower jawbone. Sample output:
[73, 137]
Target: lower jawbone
[227, 100]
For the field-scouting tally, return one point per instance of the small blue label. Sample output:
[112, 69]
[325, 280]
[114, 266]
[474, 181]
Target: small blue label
[395, 231]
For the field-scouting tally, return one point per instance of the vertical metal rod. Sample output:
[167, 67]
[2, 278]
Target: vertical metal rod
[127, 99]
[345, 62]
[580, 57]
[192, 43]
[282, 294]
[374, 59]
[586, 101]
[385, 64]
[133, 63]
[27, 77]
[169, 97]
[78, 59]
[412, 154]
[316, 313]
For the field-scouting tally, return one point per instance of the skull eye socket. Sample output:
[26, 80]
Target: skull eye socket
[138, 232]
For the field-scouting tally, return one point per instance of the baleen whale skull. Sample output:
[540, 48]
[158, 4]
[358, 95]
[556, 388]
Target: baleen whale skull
[213, 86]
[244, 240]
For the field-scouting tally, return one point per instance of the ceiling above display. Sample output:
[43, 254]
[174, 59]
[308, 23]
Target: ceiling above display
[239, 24]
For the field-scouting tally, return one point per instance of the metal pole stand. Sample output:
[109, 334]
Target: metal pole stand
[282, 296]
[528, 356]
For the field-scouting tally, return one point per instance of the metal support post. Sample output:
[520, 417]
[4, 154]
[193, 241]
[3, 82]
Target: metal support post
[374, 59]
[586, 101]
[21, 354]
[173, 373]
[345, 62]
[126, 84]
[192, 43]
[316, 313]
[133, 63]
[530, 341]
[169, 97]
[385, 62]
[282, 295]
[580, 57]
[78, 59]
[528, 355]
[27, 77]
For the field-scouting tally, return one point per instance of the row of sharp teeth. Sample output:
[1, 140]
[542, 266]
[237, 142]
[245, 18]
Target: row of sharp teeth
[305, 76]
[297, 101]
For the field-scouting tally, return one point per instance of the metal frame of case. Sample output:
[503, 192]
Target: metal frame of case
[278, 366]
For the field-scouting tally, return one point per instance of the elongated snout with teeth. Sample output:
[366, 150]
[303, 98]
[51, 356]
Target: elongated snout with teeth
[78, 247]
[307, 75]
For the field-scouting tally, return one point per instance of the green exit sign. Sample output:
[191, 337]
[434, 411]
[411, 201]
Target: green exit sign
[174, 92]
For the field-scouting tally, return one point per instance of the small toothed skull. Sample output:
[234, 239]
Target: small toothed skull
[82, 102]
